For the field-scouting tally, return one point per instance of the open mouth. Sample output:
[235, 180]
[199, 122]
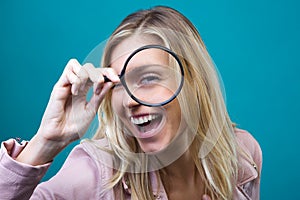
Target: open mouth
[147, 125]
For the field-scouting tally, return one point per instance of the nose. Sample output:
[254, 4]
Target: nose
[128, 102]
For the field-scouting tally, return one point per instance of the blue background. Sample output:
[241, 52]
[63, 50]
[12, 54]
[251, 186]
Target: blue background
[255, 45]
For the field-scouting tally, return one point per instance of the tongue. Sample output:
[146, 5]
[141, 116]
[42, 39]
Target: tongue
[148, 126]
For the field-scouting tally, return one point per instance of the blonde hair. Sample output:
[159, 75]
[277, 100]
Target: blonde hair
[213, 144]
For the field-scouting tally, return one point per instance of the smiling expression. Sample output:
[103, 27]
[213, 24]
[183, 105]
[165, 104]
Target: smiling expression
[153, 127]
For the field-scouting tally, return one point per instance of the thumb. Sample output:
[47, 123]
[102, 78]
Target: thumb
[206, 197]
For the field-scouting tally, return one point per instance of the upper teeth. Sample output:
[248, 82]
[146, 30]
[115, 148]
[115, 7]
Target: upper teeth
[142, 120]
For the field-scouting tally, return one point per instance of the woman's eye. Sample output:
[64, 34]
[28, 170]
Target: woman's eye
[149, 79]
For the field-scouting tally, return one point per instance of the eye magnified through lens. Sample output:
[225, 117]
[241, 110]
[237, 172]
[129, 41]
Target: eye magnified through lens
[156, 82]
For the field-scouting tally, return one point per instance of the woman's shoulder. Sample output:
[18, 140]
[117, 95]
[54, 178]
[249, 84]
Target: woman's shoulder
[249, 157]
[83, 168]
[248, 143]
[85, 157]
[88, 157]
[96, 150]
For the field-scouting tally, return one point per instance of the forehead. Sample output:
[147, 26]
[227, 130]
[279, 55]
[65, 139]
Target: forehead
[125, 48]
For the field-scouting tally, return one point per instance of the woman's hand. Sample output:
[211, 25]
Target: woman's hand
[68, 114]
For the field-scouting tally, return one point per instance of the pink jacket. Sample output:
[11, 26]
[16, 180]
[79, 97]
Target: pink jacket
[82, 177]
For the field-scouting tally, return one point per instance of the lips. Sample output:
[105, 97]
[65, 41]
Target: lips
[147, 125]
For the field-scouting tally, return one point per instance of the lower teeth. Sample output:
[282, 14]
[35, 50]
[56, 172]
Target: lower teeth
[148, 126]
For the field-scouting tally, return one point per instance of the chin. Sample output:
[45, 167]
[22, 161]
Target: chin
[151, 147]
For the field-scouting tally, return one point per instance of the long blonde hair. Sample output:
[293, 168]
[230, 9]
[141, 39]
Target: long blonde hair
[213, 145]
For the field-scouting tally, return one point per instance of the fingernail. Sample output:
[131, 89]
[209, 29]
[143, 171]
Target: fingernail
[98, 91]
[117, 77]
[74, 92]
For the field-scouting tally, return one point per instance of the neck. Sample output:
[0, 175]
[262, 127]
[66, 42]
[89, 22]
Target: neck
[183, 168]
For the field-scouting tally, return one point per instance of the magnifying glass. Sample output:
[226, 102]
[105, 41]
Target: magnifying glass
[155, 82]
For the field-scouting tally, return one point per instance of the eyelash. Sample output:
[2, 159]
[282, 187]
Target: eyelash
[117, 85]
[152, 77]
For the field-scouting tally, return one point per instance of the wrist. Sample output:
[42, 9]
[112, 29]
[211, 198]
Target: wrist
[40, 151]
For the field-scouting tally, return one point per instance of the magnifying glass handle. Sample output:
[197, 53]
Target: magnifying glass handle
[106, 79]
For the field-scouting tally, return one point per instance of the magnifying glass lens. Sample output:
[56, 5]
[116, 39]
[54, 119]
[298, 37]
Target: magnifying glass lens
[152, 75]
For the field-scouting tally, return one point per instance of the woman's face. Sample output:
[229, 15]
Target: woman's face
[153, 127]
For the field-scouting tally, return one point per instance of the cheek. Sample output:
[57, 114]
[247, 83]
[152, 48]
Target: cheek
[175, 110]
[117, 104]
[175, 116]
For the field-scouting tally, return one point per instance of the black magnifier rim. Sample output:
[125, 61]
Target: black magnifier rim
[122, 79]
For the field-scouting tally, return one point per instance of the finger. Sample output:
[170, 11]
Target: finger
[69, 79]
[84, 80]
[95, 76]
[111, 74]
[93, 73]
[75, 82]
[79, 84]
[72, 66]
[69, 76]
[96, 99]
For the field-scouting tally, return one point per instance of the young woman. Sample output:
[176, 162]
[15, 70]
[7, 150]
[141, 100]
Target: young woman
[164, 131]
